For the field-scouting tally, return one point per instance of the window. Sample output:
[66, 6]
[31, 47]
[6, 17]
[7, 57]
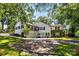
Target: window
[18, 27]
[38, 33]
[36, 28]
[57, 28]
[42, 28]
[53, 28]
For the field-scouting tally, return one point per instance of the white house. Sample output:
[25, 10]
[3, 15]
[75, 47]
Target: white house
[42, 29]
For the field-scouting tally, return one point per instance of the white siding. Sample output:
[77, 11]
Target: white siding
[43, 32]
[40, 24]
[18, 31]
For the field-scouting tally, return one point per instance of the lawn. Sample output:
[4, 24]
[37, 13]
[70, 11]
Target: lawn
[6, 48]
[66, 50]
[63, 38]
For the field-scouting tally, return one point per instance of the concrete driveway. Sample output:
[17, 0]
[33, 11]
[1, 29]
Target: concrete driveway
[4, 34]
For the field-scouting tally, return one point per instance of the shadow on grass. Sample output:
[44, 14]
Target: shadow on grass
[66, 50]
[6, 48]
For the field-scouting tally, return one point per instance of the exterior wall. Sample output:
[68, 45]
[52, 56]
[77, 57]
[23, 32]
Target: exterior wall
[43, 32]
[57, 30]
[40, 24]
[57, 27]
[32, 34]
[18, 31]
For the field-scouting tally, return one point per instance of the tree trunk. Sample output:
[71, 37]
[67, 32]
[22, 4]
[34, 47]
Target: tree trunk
[2, 25]
[72, 34]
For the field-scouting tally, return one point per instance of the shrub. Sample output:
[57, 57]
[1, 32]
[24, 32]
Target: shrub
[77, 33]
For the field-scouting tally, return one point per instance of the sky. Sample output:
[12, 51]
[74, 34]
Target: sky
[38, 14]
[44, 7]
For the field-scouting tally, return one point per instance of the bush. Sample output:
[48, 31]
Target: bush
[77, 33]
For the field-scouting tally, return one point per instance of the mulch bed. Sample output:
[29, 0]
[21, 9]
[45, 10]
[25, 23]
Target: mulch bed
[37, 47]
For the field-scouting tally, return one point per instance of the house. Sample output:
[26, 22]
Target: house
[57, 29]
[41, 30]
[38, 29]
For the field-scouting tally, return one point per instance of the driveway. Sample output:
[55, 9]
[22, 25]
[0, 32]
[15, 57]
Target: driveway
[4, 34]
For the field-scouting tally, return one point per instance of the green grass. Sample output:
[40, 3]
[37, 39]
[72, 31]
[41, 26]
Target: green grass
[66, 50]
[63, 38]
[7, 50]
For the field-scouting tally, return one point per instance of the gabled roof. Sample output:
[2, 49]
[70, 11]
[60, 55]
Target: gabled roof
[56, 25]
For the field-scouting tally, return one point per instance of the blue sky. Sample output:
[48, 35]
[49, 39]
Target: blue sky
[37, 14]
[43, 12]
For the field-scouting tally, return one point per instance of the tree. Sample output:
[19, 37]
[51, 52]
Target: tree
[11, 13]
[44, 19]
[68, 12]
